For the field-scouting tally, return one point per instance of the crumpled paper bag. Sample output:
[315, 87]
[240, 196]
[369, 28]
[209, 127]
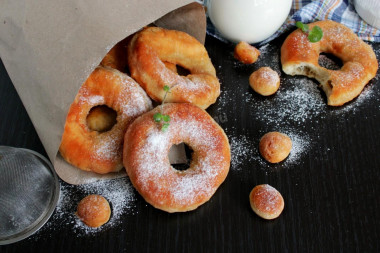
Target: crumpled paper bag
[49, 48]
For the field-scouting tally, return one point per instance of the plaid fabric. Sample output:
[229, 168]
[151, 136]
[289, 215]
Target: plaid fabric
[342, 11]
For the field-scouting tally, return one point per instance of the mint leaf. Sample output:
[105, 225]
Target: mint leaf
[157, 117]
[166, 118]
[315, 35]
[165, 127]
[302, 26]
[166, 88]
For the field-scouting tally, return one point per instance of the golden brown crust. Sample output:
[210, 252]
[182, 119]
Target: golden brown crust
[92, 150]
[146, 159]
[151, 48]
[300, 57]
[94, 210]
[246, 53]
[264, 81]
[275, 146]
[117, 58]
[266, 201]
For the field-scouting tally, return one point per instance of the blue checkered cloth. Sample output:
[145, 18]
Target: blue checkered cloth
[342, 11]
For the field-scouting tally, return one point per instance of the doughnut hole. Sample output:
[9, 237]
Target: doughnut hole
[246, 53]
[264, 81]
[330, 61]
[275, 146]
[94, 210]
[266, 201]
[101, 118]
[189, 154]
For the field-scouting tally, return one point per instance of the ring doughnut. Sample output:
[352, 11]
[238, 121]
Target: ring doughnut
[153, 46]
[117, 58]
[146, 159]
[92, 150]
[300, 57]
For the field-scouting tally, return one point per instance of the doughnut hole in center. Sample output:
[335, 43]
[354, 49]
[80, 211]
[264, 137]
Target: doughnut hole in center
[184, 152]
[101, 118]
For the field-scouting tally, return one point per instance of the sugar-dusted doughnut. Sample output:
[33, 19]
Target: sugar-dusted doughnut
[94, 210]
[300, 57]
[275, 146]
[246, 53]
[266, 201]
[101, 152]
[152, 47]
[117, 58]
[265, 81]
[146, 157]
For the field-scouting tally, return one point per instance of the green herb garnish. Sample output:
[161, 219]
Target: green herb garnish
[160, 116]
[314, 35]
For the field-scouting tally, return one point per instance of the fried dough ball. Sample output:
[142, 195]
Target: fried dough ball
[265, 81]
[94, 210]
[266, 201]
[275, 146]
[246, 53]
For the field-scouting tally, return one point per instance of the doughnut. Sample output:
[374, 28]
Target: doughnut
[300, 57]
[94, 210]
[116, 58]
[275, 146]
[101, 152]
[264, 81]
[153, 46]
[246, 53]
[145, 157]
[266, 201]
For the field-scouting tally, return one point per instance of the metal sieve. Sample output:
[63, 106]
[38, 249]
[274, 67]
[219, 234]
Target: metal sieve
[29, 192]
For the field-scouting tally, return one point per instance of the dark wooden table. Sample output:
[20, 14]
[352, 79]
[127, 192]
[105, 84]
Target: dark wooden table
[331, 187]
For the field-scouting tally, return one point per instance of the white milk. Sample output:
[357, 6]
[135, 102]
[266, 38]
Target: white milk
[248, 20]
[369, 10]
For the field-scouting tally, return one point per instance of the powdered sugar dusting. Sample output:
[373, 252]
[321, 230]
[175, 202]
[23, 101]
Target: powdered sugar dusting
[267, 199]
[298, 103]
[244, 150]
[182, 187]
[326, 62]
[126, 97]
[241, 151]
[118, 192]
[133, 99]
[108, 147]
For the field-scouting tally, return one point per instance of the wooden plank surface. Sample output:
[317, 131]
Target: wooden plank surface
[330, 185]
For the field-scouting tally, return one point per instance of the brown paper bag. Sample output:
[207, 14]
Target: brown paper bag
[49, 48]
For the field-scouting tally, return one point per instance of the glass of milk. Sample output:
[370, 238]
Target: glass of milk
[247, 20]
[369, 11]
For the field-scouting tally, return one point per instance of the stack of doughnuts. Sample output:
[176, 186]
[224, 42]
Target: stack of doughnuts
[94, 141]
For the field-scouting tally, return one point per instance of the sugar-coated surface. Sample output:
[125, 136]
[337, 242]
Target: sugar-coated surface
[118, 192]
[184, 187]
[266, 199]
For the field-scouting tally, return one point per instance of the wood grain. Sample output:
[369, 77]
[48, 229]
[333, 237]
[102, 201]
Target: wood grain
[331, 193]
